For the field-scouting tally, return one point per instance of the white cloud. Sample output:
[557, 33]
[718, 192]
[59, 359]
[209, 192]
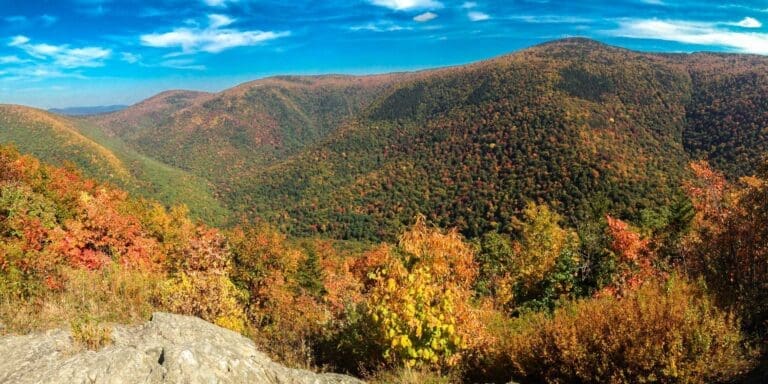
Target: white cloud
[749, 22]
[653, 2]
[424, 17]
[35, 73]
[212, 39]
[18, 40]
[130, 58]
[697, 33]
[404, 5]
[217, 3]
[182, 64]
[63, 55]
[478, 16]
[469, 5]
[12, 60]
[81, 57]
[217, 21]
[379, 27]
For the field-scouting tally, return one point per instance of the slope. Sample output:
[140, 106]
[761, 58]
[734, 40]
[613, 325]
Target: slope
[57, 140]
[232, 134]
[728, 115]
[574, 123]
[564, 123]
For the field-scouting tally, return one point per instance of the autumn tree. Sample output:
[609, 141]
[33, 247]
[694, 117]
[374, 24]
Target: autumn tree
[421, 300]
[728, 244]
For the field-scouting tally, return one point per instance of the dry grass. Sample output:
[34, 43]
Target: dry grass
[664, 333]
[114, 294]
[89, 334]
[410, 376]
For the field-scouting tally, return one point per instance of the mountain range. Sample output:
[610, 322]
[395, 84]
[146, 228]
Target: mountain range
[573, 123]
[84, 111]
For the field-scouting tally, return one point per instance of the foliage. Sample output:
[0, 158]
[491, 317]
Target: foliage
[536, 269]
[433, 306]
[209, 296]
[64, 140]
[90, 334]
[728, 243]
[665, 332]
[421, 301]
[278, 302]
[470, 146]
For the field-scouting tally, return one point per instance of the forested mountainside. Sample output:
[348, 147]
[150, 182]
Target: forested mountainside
[728, 115]
[62, 140]
[574, 123]
[616, 304]
[234, 134]
[567, 123]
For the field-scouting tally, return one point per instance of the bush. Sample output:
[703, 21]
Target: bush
[114, 294]
[665, 333]
[89, 334]
[421, 299]
[211, 297]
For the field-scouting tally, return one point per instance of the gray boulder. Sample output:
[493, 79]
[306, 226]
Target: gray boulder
[167, 349]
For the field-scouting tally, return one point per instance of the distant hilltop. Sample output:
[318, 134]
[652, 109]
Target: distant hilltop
[85, 111]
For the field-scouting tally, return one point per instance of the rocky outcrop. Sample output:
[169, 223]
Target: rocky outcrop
[167, 349]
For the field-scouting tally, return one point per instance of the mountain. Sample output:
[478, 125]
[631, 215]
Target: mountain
[574, 123]
[235, 133]
[58, 140]
[571, 123]
[566, 123]
[728, 112]
[84, 111]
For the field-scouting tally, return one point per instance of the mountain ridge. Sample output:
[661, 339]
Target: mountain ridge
[563, 122]
[87, 110]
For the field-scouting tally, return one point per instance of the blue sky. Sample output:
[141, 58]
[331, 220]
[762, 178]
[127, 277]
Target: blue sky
[61, 53]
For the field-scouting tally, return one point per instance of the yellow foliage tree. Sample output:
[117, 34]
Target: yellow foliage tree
[541, 242]
[421, 301]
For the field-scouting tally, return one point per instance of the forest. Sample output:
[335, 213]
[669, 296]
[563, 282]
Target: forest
[567, 124]
[569, 213]
[679, 297]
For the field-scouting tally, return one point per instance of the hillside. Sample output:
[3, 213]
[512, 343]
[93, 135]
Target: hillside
[566, 123]
[547, 304]
[728, 114]
[233, 134]
[59, 140]
[84, 111]
[573, 123]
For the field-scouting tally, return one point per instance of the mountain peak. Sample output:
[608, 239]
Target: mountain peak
[577, 43]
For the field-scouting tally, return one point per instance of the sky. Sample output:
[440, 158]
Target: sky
[65, 53]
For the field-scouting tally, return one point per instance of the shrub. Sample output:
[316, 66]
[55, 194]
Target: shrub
[114, 294]
[663, 332]
[727, 246]
[89, 334]
[209, 296]
[535, 269]
[422, 302]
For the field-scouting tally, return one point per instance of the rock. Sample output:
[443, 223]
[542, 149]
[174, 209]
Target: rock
[167, 349]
